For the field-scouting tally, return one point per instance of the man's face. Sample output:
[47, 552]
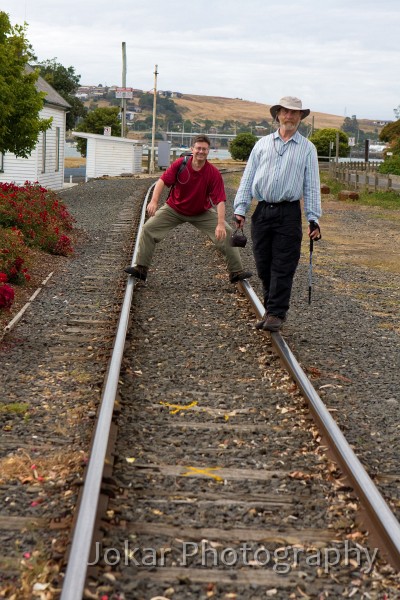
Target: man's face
[200, 150]
[290, 119]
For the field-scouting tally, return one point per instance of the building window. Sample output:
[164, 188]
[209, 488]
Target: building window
[44, 153]
[1, 162]
[58, 138]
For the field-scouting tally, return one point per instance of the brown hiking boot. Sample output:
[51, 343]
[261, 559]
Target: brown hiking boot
[260, 324]
[239, 275]
[139, 271]
[272, 323]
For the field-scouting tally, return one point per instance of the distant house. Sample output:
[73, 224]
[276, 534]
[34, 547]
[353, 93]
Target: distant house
[46, 162]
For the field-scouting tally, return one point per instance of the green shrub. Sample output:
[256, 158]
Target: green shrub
[391, 166]
[242, 145]
[323, 138]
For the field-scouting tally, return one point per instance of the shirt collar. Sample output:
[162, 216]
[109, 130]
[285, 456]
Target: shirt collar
[296, 137]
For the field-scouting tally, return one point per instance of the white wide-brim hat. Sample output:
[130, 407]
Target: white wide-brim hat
[291, 103]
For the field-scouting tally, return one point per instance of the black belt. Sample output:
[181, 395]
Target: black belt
[271, 204]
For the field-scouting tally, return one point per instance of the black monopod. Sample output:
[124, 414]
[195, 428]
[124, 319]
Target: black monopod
[310, 271]
[313, 226]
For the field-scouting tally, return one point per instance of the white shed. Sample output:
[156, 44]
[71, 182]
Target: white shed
[46, 162]
[111, 155]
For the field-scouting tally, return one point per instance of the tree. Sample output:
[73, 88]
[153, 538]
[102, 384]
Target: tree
[391, 133]
[322, 139]
[391, 165]
[351, 126]
[165, 106]
[242, 145]
[306, 129]
[66, 82]
[146, 101]
[227, 126]
[95, 121]
[21, 103]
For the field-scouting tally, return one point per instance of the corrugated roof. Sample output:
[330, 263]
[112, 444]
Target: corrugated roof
[52, 97]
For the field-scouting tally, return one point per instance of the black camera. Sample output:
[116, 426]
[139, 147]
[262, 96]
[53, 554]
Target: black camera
[238, 238]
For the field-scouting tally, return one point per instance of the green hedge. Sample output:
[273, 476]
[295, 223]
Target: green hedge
[391, 166]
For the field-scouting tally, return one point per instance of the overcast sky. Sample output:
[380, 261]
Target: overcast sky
[339, 57]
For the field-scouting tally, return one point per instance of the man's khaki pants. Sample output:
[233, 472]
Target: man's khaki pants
[166, 219]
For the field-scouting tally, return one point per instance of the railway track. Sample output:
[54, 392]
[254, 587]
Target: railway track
[207, 477]
[215, 483]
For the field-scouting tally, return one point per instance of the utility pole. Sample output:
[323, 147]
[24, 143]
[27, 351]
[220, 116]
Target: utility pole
[123, 100]
[153, 131]
[337, 147]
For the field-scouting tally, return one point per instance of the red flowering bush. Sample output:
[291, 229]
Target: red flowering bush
[13, 256]
[39, 214]
[30, 215]
[6, 295]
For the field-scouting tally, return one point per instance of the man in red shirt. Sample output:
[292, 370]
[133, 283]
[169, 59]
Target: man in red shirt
[198, 197]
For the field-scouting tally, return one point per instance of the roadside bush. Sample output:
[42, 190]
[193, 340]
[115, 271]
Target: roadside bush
[13, 256]
[242, 145]
[6, 295]
[391, 166]
[323, 138]
[38, 214]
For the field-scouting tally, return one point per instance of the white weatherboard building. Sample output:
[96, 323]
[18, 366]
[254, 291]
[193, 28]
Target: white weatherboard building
[46, 162]
[110, 155]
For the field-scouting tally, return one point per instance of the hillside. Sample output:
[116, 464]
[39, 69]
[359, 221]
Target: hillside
[217, 108]
[234, 109]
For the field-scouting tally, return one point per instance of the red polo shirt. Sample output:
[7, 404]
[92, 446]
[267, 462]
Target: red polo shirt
[193, 190]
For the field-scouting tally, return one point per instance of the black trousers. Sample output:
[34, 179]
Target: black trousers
[276, 232]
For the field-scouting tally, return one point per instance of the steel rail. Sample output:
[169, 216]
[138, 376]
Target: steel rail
[75, 576]
[383, 522]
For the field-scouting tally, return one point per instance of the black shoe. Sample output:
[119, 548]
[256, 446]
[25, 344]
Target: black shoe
[239, 276]
[140, 272]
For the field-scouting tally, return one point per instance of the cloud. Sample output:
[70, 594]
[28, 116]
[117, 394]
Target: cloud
[337, 57]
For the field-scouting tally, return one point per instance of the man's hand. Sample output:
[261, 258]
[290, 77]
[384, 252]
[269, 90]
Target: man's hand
[152, 207]
[314, 231]
[239, 221]
[220, 232]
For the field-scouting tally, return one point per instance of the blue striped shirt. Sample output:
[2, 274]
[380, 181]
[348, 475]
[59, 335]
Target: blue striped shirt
[278, 170]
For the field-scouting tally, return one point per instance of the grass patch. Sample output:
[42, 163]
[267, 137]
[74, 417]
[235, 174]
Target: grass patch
[387, 200]
[233, 179]
[15, 408]
[74, 162]
[334, 185]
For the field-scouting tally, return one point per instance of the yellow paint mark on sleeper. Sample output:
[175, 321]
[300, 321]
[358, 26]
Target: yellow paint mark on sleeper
[207, 472]
[175, 408]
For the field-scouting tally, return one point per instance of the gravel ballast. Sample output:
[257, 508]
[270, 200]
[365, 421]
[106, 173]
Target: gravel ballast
[346, 340]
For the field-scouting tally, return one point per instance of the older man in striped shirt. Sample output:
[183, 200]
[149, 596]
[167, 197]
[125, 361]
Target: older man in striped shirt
[281, 170]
